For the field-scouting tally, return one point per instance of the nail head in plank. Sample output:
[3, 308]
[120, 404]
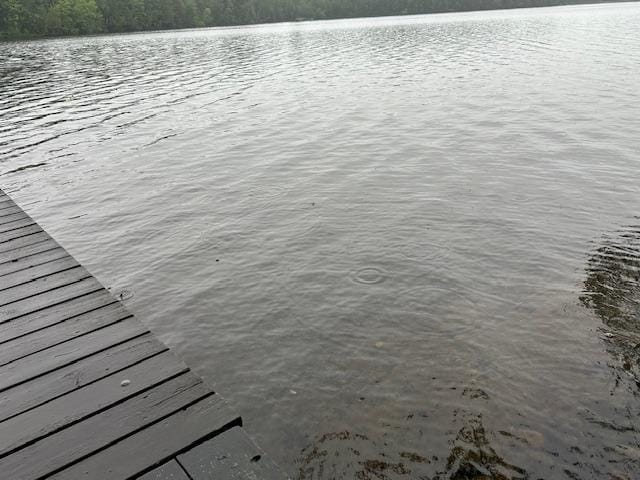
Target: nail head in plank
[67, 379]
[169, 471]
[84, 402]
[232, 456]
[67, 446]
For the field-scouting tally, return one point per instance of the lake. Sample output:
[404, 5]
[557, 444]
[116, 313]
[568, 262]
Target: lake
[403, 247]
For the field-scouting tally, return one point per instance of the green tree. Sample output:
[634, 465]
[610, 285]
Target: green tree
[74, 17]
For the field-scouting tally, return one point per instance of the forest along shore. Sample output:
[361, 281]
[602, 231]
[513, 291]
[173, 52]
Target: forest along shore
[23, 19]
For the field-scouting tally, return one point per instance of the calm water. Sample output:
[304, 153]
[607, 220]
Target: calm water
[403, 247]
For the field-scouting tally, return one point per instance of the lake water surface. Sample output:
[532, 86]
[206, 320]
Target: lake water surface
[404, 248]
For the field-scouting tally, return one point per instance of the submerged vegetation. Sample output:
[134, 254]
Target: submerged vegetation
[612, 290]
[38, 18]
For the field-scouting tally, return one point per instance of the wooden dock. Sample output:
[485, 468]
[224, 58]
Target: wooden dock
[87, 392]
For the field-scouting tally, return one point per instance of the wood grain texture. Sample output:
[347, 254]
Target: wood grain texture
[37, 271]
[43, 284]
[18, 253]
[86, 438]
[23, 241]
[54, 314]
[48, 299]
[53, 358]
[20, 232]
[86, 391]
[13, 217]
[9, 210]
[84, 402]
[23, 222]
[77, 375]
[157, 443]
[62, 332]
[6, 202]
[232, 456]
[32, 260]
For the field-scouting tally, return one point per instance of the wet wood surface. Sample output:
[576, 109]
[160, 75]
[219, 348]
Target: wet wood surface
[86, 391]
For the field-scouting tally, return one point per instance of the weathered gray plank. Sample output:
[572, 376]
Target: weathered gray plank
[67, 379]
[55, 357]
[232, 456]
[81, 439]
[17, 224]
[13, 217]
[41, 285]
[32, 261]
[62, 332]
[24, 241]
[13, 255]
[169, 471]
[155, 444]
[20, 232]
[53, 315]
[6, 205]
[5, 202]
[9, 210]
[84, 402]
[66, 346]
[47, 299]
[37, 271]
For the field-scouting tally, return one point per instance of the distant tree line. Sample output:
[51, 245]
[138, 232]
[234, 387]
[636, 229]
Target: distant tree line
[37, 18]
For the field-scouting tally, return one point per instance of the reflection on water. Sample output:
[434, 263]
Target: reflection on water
[612, 289]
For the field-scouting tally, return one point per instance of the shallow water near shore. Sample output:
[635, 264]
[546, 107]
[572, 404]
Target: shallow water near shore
[402, 247]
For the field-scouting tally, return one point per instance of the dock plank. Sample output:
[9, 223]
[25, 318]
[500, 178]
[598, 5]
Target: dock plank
[38, 271]
[169, 471]
[62, 332]
[20, 232]
[232, 456]
[53, 358]
[47, 387]
[29, 427]
[48, 299]
[9, 210]
[32, 261]
[17, 253]
[6, 202]
[13, 217]
[42, 285]
[82, 439]
[17, 224]
[23, 241]
[157, 443]
[86, 391]
[54, 314]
